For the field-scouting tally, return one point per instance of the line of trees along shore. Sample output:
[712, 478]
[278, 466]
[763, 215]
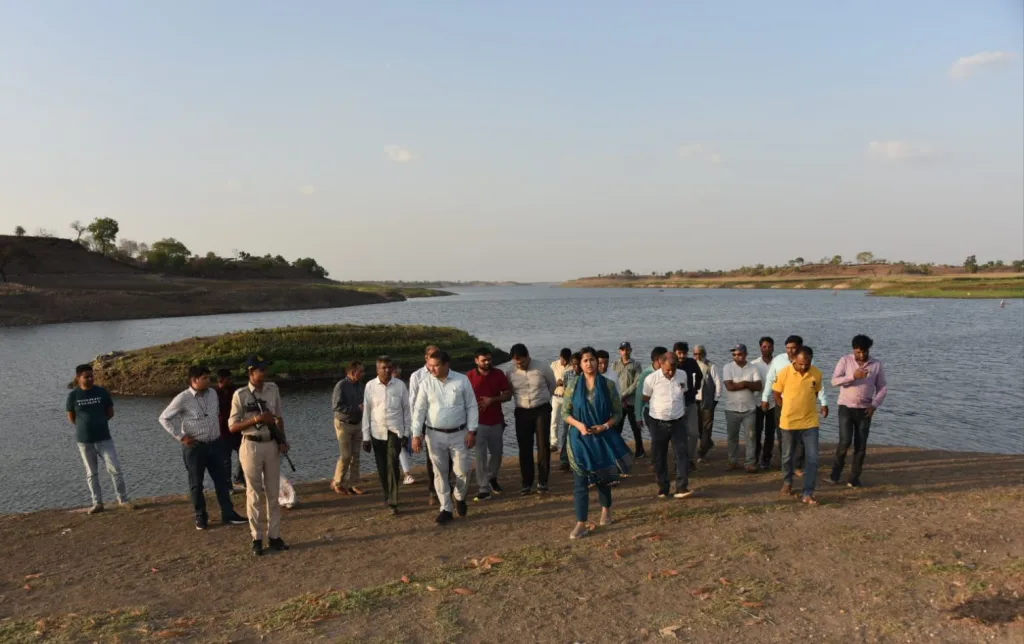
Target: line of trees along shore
[169, 255]
[970, 265]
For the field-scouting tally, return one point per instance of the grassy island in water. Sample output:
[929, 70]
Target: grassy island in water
[300, 355]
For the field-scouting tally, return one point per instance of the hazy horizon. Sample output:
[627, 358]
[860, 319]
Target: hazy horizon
[527, 142]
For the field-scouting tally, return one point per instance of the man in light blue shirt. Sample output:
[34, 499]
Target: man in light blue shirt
[780, 362]
[446, 410]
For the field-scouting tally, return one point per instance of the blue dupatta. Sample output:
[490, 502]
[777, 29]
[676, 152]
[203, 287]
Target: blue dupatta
[598, 457]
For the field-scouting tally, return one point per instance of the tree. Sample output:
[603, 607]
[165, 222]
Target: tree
[865, 257]
[1018, 265]
[19, 231]
[79, 229]
[971, 264]
[627, 273]
[836, 260]
[309, 265]
[128, 248]
[104, 233]
[167, 254]
[797, 261]
[45, 232]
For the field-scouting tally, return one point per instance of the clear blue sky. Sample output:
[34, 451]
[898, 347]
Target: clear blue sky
[520, 140]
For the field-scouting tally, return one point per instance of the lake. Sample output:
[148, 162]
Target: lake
[954, 367]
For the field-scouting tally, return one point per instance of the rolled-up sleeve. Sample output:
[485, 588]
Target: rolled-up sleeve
[168, 415]
[237, 411]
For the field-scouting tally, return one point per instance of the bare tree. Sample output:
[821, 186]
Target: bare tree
[79, 229]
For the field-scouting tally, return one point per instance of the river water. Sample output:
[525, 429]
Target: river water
[954, 366]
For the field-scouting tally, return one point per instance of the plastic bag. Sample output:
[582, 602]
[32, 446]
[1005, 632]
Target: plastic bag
[286, 495]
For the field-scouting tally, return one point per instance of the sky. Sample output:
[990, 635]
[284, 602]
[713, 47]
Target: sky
[528, 140]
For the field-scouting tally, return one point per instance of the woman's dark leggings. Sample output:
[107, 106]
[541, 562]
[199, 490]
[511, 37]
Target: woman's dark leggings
[581, 496]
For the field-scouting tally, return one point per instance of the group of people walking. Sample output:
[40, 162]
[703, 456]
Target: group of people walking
[573, 406]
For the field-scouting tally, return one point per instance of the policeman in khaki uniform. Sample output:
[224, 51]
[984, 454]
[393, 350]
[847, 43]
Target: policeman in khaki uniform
[253, 409]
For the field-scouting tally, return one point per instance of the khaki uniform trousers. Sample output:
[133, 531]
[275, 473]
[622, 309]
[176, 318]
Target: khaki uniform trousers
[350, 444]
[261, 463]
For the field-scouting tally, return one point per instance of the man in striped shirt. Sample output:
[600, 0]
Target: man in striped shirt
[202, 447]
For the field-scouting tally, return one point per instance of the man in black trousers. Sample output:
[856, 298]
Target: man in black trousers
[533, 384]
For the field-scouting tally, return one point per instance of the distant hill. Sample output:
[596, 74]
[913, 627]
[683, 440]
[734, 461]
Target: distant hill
[49, 280]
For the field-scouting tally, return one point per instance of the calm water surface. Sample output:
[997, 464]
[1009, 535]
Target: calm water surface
[954, 368]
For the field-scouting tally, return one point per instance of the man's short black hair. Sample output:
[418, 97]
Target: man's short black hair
[602, 354]
[565, 353]
[807, 351]
[440, 355]
[766, 338]
[223, 373]
[657, 353]
[681, 346]
[481, 351]
[584, 351]
[519, 350]
[384, 359]
[862, 342]
[795, 339]
[198, 371]
[82, 368]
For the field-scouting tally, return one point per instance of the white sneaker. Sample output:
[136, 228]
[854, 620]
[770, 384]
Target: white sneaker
[409, 480]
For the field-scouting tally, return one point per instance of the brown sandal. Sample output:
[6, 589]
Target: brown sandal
[809, 500]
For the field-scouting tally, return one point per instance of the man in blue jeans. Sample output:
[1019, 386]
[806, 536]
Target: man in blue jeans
[90, 409]
[799, 385]
[202, 448]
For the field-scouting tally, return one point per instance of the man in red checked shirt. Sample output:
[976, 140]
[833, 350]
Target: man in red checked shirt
[491, 388]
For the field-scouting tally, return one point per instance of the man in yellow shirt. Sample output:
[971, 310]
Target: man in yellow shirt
[799, 385]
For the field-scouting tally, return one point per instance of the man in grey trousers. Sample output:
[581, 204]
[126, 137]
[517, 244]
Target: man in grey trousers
[491, 388]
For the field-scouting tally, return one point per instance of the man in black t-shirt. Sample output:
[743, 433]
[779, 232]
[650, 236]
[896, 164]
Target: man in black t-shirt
[90, 409]
[695, 378]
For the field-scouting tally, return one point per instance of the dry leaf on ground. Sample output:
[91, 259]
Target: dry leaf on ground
[463, 591]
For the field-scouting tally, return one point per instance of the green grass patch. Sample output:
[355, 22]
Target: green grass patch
[308, 609]
[391, 290]
[130, 624]
[301, 354]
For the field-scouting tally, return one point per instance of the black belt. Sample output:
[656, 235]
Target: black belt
[256, 439]
[446, 431]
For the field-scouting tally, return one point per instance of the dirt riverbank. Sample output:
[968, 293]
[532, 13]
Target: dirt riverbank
[929, 551]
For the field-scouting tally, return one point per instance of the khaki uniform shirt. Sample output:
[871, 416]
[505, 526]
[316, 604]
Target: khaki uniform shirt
[244, 407]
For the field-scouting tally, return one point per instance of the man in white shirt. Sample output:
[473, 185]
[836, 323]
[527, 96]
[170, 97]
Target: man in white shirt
[447, 410]
[201, 445]
[558, 367]
[665, 394]
[532, 385]
[707, 400]
[742, 382]
[387, 422]
[764, 419]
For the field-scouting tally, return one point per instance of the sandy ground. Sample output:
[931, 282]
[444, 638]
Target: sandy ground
[930, 550]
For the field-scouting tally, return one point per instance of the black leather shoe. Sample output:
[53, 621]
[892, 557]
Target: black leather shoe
[393, 509]
[495, 486]
[237, 519]
[443, 517]
[257, 548]
[278, 544]
[202, 523]
[460, 507]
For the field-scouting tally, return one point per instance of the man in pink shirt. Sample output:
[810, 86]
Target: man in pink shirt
[862, 388]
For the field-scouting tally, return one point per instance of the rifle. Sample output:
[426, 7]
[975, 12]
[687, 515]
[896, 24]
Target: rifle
[274, 432]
